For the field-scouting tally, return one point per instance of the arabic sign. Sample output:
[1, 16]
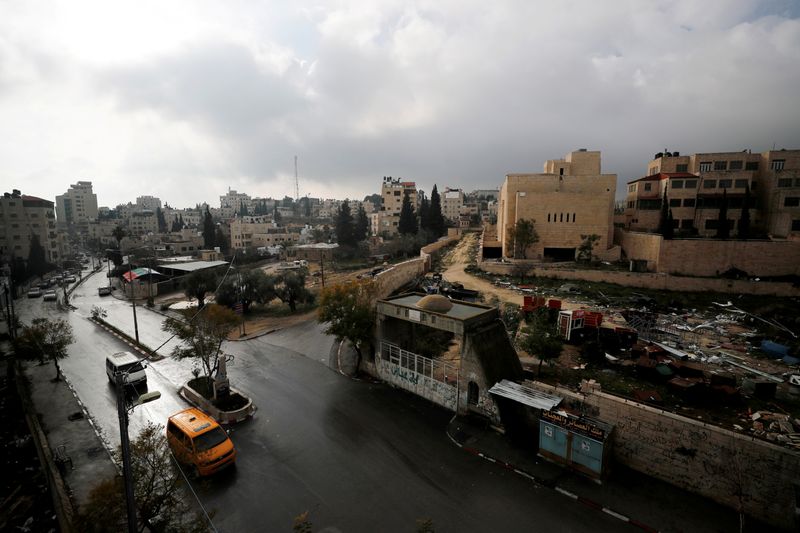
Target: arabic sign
[577, 425]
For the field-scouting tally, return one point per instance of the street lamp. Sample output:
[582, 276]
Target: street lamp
[122, 413]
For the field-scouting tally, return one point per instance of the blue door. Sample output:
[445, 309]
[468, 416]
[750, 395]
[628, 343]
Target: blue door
[552, 439]
[587, 453]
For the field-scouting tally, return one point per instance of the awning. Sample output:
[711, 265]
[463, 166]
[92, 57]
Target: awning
[139, 272]
[526, 395]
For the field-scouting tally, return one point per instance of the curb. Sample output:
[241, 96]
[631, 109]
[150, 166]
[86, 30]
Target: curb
[143, 350]
[544, 483]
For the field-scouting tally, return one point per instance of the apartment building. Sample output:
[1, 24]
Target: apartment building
[570, 199]
[77, 206]
[231, 203]
[695, 185]
[452, 204]
[148, 203]
[386, 221]
[22, 217]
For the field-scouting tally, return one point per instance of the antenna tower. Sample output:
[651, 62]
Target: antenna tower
[296, 182]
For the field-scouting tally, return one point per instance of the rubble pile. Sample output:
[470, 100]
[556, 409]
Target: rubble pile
[776, 427]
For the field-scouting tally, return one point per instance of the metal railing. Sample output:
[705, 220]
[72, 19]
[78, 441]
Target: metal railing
[425, 366]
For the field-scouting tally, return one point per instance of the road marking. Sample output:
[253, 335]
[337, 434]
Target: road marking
[567, 493]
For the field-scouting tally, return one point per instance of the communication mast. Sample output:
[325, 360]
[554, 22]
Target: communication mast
[296, 182]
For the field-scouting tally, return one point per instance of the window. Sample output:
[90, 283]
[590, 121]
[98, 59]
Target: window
[741, 184]
[631, 203]
[720, 165]
[674, 202]
[784, 182]
[712, 223]
[751, 165]
[725, 184]
[688, 202]
[677, 184]
[691, 184]
[397, 193]
[791, 201]
[795, 225]
[736, 165]
[709, 184]
[648, 186]
[548, 214]
[705, 166]
[573, 217]
[777, 164]
[686, 223]
[682, 167]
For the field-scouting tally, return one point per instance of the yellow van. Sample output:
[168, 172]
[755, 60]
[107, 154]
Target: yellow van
[196, 439]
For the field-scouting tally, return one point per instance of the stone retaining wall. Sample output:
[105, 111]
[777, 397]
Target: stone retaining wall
[704, 459]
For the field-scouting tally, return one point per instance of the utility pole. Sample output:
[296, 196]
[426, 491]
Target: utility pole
[122, 412]
[133, 300]
[322, 267]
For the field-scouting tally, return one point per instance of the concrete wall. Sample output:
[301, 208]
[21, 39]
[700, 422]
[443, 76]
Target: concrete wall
[653, 281]
[698, 457]
[710, 257]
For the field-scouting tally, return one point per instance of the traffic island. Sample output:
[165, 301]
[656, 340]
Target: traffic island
[231, 408]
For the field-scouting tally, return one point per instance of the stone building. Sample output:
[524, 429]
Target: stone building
[694, 186]
[569, 200]
[77, 206]
[22, 217]
[385, 222]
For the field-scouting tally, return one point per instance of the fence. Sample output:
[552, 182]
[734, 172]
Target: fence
[434, 380]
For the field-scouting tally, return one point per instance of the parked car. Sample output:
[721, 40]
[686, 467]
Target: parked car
[49, 296]
[70, 279]
[34, 292]
[103, 291]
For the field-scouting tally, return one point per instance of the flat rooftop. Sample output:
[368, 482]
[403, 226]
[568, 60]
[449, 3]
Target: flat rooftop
[459, 311]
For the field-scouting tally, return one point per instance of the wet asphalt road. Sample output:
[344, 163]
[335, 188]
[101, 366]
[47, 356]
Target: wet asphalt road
[360, 457]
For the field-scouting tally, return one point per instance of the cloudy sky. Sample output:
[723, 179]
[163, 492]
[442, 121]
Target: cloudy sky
[183, 100]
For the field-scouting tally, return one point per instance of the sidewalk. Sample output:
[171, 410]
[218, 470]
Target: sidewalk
[66, 432]
[642, 501]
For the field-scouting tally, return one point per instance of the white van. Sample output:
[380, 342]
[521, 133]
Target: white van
[128, 364]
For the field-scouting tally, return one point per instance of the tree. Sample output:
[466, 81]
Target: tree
[348, 309]
[209, 231]
[669, 232]
[435, 217]
[290, 288]
[376, 200]
[45, 340]
[540, 339]
[744, 219]
[119, 233]
[252, 286]
[162, 221]
[37, 262]
[723, 229]
[345, 234]
[425, 214]
[202, 336]
[198, 284]
[221, 240]
[587, 246]
[243, 209]
[408, 219]
[663, 220]
[157, 488]
[276, 215]
[520, 236]
[362, 224]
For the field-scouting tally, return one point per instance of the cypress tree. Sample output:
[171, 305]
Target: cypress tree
[744, 220]
[424, 214]
[362, 224]
[209, 231]
[408, 220]
[345, 230]
[436, 219]
[723, 230]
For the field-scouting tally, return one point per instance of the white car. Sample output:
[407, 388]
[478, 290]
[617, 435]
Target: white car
[34, 292]
[49, 296]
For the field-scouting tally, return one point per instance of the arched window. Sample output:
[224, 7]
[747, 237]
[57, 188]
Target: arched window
[472, 393]
[562, 217]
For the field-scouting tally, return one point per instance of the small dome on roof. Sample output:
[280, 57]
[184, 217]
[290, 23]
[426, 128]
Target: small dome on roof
[435, 302]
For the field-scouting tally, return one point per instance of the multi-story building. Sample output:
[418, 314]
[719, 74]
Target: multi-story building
[232, 203]
[142, 223]
[452, 203]
[148, 203]
[78, 206]
[256, 231]
[570, 200]
[695, 186]
[386, 221]
[22, 217]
